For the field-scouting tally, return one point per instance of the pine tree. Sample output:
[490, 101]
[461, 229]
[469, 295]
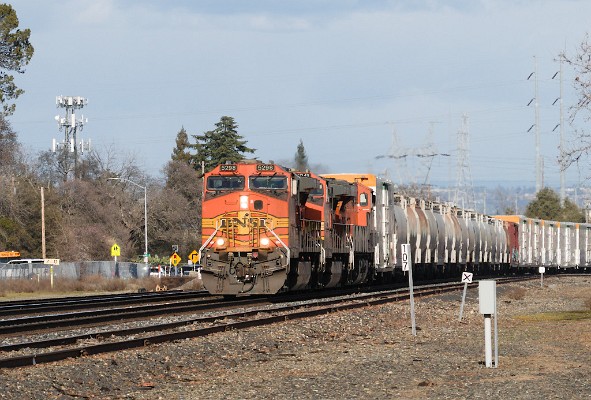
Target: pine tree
[545, 206]
[300, 158]
[571, 212]
[220, 145]
[9, 146]
[15, 52]
[180, 152]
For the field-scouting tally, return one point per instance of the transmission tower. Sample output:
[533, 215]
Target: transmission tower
[464, 195]
[399, 155]
[70, 125]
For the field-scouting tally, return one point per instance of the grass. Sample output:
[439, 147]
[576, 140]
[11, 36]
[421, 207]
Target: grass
[557, 316]
[19, 288]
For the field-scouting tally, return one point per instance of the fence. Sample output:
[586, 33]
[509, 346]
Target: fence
[75, 270]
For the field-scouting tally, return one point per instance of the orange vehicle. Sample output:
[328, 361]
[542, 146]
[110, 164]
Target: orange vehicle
[6, 256]
[266, 229]
[250, 227]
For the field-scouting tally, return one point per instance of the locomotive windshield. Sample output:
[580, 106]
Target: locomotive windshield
[267, 182]
[319, 191]
[234, 182]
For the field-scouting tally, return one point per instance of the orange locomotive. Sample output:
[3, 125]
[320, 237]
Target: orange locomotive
[268, 229]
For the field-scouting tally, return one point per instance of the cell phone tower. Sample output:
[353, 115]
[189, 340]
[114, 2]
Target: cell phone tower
[70, 126]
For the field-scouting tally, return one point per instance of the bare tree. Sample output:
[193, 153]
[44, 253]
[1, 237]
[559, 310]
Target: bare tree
[580, 147]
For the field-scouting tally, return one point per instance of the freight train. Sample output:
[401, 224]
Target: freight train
[268, 229]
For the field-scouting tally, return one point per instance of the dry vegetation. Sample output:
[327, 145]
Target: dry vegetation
[90, 284]
[516, 293]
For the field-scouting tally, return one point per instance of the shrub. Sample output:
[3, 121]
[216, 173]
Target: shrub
[516, 293]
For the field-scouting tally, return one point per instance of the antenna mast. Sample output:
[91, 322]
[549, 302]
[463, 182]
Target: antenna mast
[70, 125]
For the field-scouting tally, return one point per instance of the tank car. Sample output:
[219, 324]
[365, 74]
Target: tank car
[443, 238]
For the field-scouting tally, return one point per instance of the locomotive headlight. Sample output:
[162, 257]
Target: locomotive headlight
[220, 243]
[244, 202]
[264, 242]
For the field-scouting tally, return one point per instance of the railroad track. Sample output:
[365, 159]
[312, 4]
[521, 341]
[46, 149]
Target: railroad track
[205, 325]
[39, 306]
[69, 320]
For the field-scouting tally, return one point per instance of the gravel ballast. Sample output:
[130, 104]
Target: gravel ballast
[368, 353]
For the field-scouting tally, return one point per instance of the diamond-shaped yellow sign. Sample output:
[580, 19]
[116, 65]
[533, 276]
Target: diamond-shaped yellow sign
[194, 257]
[175, 259]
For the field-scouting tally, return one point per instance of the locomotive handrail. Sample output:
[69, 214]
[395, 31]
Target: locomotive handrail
[217, 228]
[280, 241]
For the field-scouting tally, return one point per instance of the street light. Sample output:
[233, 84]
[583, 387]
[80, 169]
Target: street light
[145, 213]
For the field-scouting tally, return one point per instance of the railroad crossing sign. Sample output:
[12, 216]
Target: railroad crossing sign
[115, 250]
[175, 259]
[467, 277]
[194, 257]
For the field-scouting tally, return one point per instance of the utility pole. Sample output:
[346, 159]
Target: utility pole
[70, 125]
[43, 252]
[561, 146]
[536, 125]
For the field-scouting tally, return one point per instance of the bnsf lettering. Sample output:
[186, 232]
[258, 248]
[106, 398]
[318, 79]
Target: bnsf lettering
[265, 167]
[227, 167]
[253, 222]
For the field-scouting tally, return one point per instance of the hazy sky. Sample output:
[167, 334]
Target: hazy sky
[342, 75]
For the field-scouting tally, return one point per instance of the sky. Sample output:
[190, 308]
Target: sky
[354, 80]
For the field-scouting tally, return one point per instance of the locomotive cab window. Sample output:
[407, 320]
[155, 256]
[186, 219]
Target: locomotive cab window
[319, 191]
[267, 182]
[235, 182]
[363, 199]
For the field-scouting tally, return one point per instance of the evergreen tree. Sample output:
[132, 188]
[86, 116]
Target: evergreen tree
[9, 146]
[545, 206]
[180, 152]
[220, 145]
[15, 52]
[572, 213]
[300, 158]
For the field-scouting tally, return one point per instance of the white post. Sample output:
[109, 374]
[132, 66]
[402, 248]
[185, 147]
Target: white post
[496, 342]
[51, 275]
[487, 341]
[463, 300]
[466, 278]
[407, 266]
[145, 224]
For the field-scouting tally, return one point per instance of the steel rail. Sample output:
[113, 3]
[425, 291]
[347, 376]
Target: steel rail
[78, 319]
[283, 313]
[86, 302]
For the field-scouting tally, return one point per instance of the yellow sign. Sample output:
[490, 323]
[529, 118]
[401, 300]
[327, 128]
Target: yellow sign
[115, 250]
[194, 257]
[175, 259]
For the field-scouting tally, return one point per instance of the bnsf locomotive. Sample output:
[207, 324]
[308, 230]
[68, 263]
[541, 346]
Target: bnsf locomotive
[266, 228]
